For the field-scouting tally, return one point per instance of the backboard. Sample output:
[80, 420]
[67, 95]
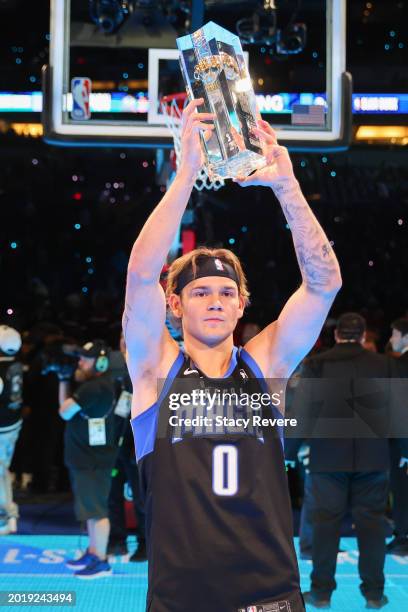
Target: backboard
[296, 61]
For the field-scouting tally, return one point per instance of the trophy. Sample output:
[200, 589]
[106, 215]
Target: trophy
[213, 67]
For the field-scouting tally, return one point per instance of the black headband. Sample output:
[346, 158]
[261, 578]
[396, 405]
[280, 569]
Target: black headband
[205, 266]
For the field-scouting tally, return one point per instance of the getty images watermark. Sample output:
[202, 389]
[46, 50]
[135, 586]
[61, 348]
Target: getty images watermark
[322, 408]
[205, 409]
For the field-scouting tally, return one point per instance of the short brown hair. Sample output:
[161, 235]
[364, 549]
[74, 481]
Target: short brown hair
[226, 255]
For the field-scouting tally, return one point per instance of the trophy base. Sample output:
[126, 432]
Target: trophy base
[241, 165]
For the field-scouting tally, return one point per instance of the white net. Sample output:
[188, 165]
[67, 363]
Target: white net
[172, 110]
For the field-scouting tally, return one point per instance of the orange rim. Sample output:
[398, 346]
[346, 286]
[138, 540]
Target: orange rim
[179, 98]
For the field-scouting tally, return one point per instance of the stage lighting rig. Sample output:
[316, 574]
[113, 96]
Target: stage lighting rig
[260, 28]
[292, 39]
[109, 15]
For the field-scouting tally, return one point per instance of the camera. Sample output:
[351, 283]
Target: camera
[61, 358]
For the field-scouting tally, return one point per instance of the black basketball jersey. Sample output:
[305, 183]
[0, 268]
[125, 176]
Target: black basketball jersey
[218, 514]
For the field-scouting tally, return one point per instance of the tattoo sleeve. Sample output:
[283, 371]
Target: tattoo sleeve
[318, 264]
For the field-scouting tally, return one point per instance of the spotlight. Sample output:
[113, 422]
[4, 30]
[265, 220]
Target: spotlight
[292, 39]
[109, 15]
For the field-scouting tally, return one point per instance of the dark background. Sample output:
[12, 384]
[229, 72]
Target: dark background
[51, 271]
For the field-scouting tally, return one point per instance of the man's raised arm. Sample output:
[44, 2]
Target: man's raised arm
[317, 262]
[151, 248]
[286, 341]
[145, 308]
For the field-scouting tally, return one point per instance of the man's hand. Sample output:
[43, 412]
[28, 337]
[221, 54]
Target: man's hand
[278, 173]
[68, 409]
[192, 123]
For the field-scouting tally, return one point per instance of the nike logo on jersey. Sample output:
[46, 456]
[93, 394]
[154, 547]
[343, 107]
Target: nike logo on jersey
[188, 371]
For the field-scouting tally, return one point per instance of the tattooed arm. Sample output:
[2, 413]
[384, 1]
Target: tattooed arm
[282, 345]
[318, 264]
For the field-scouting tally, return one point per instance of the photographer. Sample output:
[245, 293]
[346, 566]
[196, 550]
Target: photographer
[11, 401]
[90, 452]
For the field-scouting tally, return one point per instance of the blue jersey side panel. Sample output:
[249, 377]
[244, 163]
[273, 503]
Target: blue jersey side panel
[144, 425]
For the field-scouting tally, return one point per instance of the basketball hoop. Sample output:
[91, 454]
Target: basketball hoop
[172, 107]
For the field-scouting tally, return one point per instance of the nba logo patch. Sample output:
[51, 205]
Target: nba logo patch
[254, 609]
[219, 265]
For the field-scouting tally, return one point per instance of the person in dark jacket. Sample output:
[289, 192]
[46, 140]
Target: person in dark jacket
[398, 472]
[349, 463]
[11, 403]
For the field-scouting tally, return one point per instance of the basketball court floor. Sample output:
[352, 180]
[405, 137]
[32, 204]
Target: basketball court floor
[36, 563]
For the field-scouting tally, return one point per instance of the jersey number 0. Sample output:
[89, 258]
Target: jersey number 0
[225, 469]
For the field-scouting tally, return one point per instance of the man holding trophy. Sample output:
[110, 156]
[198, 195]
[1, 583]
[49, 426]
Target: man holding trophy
[218, 514]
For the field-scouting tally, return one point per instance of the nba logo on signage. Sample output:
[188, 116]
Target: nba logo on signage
[81, 91]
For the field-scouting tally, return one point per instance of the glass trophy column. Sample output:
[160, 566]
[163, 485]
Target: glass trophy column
[213, 68]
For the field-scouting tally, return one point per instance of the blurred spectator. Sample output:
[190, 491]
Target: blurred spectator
[46, 429]
[11, 402]
[90, 452]
[398, 474]
[344, 470]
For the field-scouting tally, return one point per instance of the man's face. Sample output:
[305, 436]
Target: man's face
[209, 308]
[86, 364]
[398, 341]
